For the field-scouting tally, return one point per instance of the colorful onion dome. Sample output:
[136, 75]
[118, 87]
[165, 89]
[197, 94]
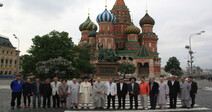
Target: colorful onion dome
[106, 16]
[147, 20]
[92, 33]
[87, 25]
[132, 29]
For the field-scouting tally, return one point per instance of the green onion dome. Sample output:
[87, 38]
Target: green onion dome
[147, 20]
[87, 25]
[132, 29]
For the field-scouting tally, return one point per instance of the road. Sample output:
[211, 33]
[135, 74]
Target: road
[203, 100]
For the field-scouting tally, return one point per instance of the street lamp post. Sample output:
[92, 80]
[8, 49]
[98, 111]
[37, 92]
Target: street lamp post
[17, 63]
[190, 51]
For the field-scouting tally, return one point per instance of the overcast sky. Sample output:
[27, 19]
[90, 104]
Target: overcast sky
[175, 21]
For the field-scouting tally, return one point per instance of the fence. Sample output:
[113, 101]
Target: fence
[7, 76]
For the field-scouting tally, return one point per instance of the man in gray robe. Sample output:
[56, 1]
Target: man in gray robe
[163, 93]
[73, 91]
[98, 94]
[185, 88]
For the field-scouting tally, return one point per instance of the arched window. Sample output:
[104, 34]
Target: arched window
[130, 58]
[124, 58]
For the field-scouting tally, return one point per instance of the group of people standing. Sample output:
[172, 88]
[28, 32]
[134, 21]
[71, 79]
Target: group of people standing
[56, 89]
[81, 95]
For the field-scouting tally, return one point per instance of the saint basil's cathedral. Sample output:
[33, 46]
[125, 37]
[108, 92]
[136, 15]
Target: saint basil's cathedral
[118, 32]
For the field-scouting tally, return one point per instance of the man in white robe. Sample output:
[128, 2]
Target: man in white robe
[99, 94]
[163, 93]
[185, 88]
[73, 91]
[85, 93]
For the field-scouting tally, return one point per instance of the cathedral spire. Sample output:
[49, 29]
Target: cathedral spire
[119, 3]
[88, 11]
[105, 4]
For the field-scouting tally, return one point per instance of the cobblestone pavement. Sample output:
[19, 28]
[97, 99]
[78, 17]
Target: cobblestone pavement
[203, 100]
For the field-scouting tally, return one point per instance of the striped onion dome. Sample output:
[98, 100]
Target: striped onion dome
[87, 25]
[132, 29]
[92, 33]
[147, 20]
[106, 16]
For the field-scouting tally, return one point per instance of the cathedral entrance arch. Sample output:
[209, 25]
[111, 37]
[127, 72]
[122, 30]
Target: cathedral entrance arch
[143, 69]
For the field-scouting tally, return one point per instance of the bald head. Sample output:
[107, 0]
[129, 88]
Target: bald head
[98, 79]
[182, 79]
[74, 80]
[161, 79]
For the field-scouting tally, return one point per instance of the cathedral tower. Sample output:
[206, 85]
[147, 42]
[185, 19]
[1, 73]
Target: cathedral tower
[85, 28]
[123, 20]
[106, 35]
[148, 37]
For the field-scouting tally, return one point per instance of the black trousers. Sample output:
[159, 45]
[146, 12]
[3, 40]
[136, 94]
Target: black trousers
[121, 97]
[153, 101]
[27, 97]
[109, 97]
[48, 101]
[173, 101]
[56, 100]
[14, 96]
[192, 100]
[135, 99]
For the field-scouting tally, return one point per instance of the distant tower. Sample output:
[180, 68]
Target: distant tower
[85, 28]
[148, 37]
[106, 35]
[132, 37]
[123, 20]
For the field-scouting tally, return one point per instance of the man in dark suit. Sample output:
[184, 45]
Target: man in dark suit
[153, 92]
[133, 89]
[193, 91]
[46, 92]
[174, 89]
[121, 92]
[36, 92]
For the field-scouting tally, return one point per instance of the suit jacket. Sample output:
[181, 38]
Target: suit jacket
[34, 88]
[124, 90]
[55, 88]
[46, 90]
[111, 89]
[135, 90]
[174, 89]
[154, 90]
[194, 88]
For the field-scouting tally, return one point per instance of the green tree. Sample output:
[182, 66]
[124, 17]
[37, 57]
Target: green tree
[126, 68]
[173, 66]
[82, 60]
[53, 45]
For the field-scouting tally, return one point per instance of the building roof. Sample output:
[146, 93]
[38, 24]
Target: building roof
[87, 25]
[143, 52]
[147, 20]
[119, 3]
[132, 29]
[106, 16]
[5, 42]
